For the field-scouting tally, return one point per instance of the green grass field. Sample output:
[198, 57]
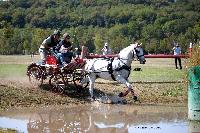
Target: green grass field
[12, 70]
[155, 70]
[158, 70]
[14, 66]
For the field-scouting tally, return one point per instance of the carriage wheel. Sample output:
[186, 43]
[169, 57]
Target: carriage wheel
[57, 83]
[35, 76]
[80, 79]
[69, 78]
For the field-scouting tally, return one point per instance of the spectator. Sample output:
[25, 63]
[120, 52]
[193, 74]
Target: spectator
[106, 49]
[177, 51]
[84, 51]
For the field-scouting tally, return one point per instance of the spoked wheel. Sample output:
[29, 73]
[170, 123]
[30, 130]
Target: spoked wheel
[69, 77]
[57, 83]
[80, 79]
[35, 76]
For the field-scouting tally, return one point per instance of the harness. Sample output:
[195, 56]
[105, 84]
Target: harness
[110, 69]
[123, 67]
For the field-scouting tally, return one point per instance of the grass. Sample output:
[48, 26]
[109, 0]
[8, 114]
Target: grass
[155, 70]
[17, 59]
[14, 66]
[157, 75]
[8, 131]
[12, 70]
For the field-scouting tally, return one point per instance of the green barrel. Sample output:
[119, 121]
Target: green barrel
[194, 94]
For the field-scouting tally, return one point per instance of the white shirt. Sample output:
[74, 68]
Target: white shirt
[106, 51]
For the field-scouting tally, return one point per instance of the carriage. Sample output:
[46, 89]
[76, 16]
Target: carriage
[82, 72]
[57, 76]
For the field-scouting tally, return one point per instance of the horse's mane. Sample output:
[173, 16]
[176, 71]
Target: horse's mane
[128, 49]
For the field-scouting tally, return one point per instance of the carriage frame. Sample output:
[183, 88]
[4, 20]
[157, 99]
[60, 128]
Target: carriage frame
[58, 77]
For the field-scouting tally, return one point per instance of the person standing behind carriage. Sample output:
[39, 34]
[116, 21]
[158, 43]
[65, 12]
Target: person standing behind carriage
[106, 49]
[47, 44]
[64, 50]
[177, 51]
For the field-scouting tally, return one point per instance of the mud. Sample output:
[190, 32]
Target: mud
[18, 92]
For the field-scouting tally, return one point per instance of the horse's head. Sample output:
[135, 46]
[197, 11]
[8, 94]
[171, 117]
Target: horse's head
[139, 52]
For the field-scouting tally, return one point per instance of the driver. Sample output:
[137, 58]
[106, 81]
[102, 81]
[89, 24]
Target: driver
[49, 43]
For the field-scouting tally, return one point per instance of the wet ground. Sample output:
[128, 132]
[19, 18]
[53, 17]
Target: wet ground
[100, 118]
[73, 112]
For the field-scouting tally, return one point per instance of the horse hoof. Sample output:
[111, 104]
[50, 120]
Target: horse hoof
[121, 94]
[135, 98]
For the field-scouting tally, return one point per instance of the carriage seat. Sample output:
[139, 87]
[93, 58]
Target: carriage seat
[52, 60]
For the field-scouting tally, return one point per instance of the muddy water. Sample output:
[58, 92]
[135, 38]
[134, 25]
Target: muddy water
[100, 118]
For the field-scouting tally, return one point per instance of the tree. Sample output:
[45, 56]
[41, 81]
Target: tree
[98, 41]
[134, 30]
[37, 38]
[18, 18]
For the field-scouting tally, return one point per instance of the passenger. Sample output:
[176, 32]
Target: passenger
[65, 50]
[47, 44]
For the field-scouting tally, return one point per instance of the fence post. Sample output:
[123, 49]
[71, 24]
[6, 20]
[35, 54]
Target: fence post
[194, 93]
[190, 50]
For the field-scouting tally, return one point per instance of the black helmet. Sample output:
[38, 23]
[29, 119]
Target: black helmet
[57, 32]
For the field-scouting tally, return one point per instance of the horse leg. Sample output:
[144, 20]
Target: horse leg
[120, 79]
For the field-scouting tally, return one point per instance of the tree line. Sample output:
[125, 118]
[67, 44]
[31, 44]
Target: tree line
[158, 24]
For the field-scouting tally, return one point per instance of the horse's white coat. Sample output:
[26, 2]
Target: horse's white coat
[98, 68]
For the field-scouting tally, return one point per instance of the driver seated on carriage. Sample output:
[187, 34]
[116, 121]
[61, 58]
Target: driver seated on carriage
[49, 43]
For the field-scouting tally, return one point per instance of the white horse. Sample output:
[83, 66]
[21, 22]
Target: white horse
[117, 68]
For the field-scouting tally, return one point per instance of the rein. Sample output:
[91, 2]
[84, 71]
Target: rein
[124, 65]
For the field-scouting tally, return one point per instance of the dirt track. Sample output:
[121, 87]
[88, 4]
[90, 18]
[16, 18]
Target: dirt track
[17, 93]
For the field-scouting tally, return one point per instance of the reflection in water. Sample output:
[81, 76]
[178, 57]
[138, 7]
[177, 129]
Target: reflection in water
[59, 121]
[99, 118]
